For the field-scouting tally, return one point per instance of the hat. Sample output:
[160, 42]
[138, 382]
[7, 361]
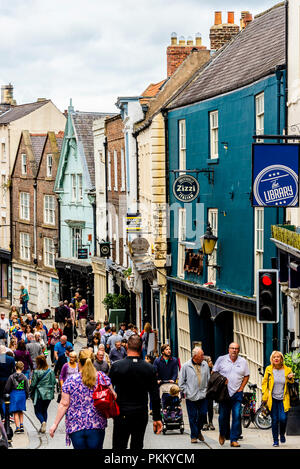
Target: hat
[69, 348]
[174, 390]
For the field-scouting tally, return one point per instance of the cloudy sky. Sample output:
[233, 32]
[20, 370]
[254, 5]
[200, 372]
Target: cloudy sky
[94, 50]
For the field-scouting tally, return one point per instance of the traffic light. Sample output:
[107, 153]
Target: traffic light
[267, 296]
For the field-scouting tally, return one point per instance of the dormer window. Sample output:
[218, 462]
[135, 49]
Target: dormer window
[24, 163]
[49, 166]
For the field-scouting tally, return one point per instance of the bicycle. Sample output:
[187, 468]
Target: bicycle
[260, 417]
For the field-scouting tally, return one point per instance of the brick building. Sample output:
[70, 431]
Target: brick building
[35, 219]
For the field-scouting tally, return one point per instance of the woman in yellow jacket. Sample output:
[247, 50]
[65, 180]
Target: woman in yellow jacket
[276, 394]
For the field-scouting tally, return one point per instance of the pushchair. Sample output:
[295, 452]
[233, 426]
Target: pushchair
[171, 411]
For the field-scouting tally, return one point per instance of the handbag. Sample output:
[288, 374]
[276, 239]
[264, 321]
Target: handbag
[293, 389]
[105, 402]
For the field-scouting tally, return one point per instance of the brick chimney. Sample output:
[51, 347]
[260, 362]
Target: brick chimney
[178, 51]
[246, 18]
[220, 33]
[7, 95]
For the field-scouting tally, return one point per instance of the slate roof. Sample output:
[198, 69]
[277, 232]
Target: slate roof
[251, 55]
[37, 142]
[17, 112]
[83, 125]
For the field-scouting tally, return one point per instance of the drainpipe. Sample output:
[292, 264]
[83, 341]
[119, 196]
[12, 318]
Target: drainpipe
[106, 201]
[11, 245]
[34, 221]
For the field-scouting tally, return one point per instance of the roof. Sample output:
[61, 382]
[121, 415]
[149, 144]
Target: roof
[252, 54]
[151, 91]
[38, 142]
[17, 112]
[83, 125]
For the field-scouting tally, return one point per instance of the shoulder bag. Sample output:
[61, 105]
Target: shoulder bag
[104, 401]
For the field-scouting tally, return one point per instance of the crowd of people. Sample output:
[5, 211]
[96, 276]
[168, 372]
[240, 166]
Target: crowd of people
[120, 359]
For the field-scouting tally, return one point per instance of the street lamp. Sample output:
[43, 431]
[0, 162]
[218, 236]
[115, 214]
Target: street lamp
[208, 243]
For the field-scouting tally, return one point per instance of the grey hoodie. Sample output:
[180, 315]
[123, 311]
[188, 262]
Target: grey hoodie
[17, 381]
[188, 381]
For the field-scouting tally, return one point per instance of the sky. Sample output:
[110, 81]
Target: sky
[94, 51]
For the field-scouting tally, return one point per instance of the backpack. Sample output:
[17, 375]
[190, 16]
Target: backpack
[106, 337]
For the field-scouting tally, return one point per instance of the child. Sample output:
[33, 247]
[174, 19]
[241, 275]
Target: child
[18, 388]
[171, 403]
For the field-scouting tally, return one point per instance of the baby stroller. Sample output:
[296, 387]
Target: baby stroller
[171, 411]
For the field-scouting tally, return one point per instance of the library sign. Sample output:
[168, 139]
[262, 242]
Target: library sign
[186, 188]
[275, 169]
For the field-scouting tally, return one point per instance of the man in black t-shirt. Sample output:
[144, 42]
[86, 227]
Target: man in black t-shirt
[133, 379]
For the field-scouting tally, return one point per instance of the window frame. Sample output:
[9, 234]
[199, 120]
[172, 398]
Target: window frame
[260, 115]
[23, 206]
[25, 248]
[181, 241]
[49, 251]
[23, 166]
[213, 219]
[48, 210]
[214, 134]
[182, 145]
[49, 166]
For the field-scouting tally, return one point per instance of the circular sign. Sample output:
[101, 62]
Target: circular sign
[276, 185]
[186, 188]
[140, 245]
[104, 250]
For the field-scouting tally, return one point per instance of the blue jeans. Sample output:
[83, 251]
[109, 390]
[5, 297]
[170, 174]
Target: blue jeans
[25, 307]
[279, 419]
[88, 439]
[234, 406]
[197, 411]
[41, 409]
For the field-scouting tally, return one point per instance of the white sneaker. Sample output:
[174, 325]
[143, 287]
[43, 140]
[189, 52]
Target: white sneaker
[43, 427]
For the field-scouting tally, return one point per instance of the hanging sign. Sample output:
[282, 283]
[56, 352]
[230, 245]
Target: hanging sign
[186, 188]
[275, 169]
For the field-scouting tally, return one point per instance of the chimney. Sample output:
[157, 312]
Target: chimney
[7, 95]
[246, 18]
[220, 33]
[177, 52]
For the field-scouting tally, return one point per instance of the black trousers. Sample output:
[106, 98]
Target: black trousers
[125, 426]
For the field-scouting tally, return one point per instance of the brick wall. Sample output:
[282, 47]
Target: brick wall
[176, 54]
[220, 34]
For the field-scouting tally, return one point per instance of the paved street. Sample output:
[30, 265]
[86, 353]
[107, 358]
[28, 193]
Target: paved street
[253, 438]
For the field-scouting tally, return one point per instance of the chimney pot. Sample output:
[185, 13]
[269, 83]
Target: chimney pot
[230, 17]
[198, 39]
[218, 17]
[182, 41]
[190, 41]
[173, 39]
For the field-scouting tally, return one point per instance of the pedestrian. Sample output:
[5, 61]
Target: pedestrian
[82, 313]
[60, 315]
[235, 369]
[28, 330]
[193, 380]
[117, 353]
[13, 344]
[133, 379]
[208, 425]
[275, 394]
[34, 348]
[54, 336]
[95, 344]
[102, 331]
[24, 298]
[4, 324]
[30, 320]
[18, 389]
[62, 359]
[85, 425]
[7, 368]
[68, 331]
[13, 310]
[60, 347]
[76, 301]
[122, 329]
[23, 355]
[124, 343]
[14, 315]
[111, 342]
[106, 356]
[145, 334]
[166, 368]
[42, 390]
[105, 337]
[91, 327]
[39, 340]
[69, 369]
[73, 318]
[100, 363]
[128, 332]
[42, 331]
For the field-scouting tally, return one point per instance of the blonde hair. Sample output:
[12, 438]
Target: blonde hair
[20, 366]
[147, 327]
[88, 371]
[278, 353]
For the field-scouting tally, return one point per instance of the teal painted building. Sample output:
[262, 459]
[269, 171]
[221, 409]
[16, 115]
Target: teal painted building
[75, 187]
[239, 93]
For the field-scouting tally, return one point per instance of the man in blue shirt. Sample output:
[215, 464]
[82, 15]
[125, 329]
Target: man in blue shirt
[117, 353]
[166, 366]
[60, 347]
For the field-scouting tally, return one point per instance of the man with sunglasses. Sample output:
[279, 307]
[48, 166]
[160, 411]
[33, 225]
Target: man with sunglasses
[236, 370]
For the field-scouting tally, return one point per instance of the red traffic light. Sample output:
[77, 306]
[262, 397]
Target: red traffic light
[266, 280]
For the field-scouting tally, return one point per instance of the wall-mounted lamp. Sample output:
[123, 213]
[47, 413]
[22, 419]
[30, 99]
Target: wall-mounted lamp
[225, 145]
[208, 243]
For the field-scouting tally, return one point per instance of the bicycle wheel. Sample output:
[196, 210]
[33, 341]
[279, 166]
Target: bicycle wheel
[246, 416]
[262, 419]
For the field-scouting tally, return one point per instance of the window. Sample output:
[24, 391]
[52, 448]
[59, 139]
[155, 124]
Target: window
[79, 185]
[73, 188]
[3, 152]
[25, 246]
[49, 165]
[116, 170]
[260, 114]
[122, 170]
[213, 220]
[3, 189]
[117, 239]
[258, 241]
[181, 238]
[49, 210]
[49, 252]
[214, 134]
[24, 163]
[76, 236]
[24, 206]
[182, 145]
[108, 171]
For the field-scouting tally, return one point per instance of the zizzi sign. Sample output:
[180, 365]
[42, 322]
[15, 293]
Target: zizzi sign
[186, 188]
[275, 170]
